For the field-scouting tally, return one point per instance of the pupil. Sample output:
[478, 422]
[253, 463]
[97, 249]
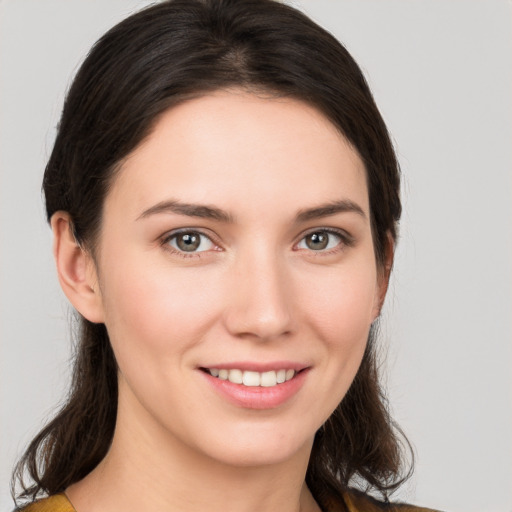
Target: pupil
[188, 242]
[317, 241]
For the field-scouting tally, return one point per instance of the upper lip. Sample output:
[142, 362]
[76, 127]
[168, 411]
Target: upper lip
[258, 366]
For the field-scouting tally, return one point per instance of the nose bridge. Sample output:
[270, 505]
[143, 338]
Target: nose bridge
[260, 303]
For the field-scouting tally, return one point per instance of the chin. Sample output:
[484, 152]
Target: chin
[259, 447]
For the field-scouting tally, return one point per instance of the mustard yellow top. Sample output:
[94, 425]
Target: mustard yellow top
[57, 503]
[354, 503]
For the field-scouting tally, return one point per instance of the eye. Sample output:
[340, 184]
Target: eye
[189, 241]
[321, 240]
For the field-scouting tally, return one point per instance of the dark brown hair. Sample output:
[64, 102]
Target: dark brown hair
[149, 62]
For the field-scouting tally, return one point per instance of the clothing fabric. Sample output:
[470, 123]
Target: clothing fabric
[355, 502]
[57, 503]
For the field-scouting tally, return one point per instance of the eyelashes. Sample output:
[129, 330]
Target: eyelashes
[189, 242]
[324, 240]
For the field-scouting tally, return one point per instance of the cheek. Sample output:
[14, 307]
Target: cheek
[339, 313]
[155, 309]
[342, 305]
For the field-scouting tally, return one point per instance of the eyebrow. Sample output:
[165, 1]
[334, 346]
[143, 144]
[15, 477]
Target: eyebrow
[212, 212]
[188, 209]
[329, 209]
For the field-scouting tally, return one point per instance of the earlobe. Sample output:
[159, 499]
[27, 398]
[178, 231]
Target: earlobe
[76, 269]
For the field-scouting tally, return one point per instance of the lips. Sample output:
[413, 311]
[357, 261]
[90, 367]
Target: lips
[256, 386]
[253, 378]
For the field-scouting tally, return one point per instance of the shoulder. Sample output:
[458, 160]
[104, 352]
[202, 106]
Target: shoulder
[56, 503]
[359, 502]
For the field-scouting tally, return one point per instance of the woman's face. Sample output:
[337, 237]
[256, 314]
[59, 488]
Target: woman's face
[236, 250]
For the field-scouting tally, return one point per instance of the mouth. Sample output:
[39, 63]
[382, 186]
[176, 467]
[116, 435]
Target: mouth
[253, 379]
[256, 385]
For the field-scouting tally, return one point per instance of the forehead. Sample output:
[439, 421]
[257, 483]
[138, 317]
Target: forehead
[244, 149]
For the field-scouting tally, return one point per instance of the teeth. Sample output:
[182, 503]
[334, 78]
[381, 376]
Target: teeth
[253, 379]
[268, 379]
[235, 376]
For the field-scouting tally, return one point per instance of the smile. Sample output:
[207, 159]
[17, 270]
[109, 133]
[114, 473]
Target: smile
[252, 378]
[244, 386]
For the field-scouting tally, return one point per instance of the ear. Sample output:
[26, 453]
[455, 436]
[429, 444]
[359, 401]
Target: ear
[76, 269]
[383, 275]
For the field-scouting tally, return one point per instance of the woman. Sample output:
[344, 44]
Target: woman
[224, 198]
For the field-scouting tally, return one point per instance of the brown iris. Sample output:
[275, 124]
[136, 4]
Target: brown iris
[317, 241]
[188, 242]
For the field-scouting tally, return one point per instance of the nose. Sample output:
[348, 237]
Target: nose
[260, 298]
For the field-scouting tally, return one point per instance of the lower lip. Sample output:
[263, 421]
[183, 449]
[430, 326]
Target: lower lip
[257, 397]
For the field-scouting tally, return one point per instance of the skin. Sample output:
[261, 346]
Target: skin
[254, 292]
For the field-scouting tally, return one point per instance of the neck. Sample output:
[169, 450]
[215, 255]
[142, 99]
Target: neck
[148, 469]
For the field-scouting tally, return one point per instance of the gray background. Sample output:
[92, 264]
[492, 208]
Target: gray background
[441, 73]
